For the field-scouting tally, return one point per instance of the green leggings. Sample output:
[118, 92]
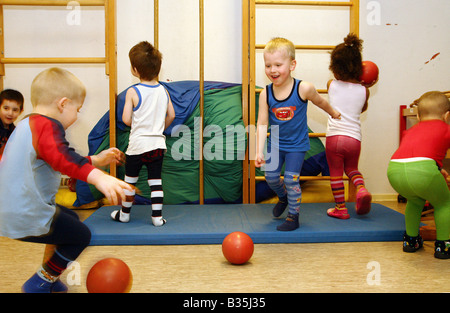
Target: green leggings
[417, 182]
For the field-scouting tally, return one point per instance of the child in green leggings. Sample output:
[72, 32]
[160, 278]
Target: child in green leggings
[415, 172]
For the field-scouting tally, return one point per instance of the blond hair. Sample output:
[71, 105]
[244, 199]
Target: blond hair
[54, 84]
[433, 104]
[279, 43]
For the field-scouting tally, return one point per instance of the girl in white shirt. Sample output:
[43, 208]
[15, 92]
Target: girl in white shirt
[343, 142]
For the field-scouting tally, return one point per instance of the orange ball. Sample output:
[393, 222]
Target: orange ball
[109, 276]
[237, 247]
[369, 74]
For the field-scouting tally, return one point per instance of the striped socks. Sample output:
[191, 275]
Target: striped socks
[337, 187]
[363, 197]
[157, 198]
[123, 215]
[52, 269]
[357, 179]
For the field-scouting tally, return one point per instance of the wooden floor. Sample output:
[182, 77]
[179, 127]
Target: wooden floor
[379, 267]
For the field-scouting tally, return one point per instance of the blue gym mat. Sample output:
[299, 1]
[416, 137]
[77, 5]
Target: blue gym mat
[209, 224]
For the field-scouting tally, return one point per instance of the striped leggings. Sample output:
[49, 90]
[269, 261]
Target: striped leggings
[343, 156]
[153, 160]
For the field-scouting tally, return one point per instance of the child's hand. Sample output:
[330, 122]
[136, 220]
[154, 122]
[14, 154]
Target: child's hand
[370, 85]
[106, 157]
[259, 160]
[336, 115]
[110, 186]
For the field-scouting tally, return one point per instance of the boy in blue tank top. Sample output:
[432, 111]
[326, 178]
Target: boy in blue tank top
[283, 106]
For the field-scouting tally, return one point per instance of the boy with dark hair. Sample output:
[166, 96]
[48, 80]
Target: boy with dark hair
[149, 111]
[11, 106]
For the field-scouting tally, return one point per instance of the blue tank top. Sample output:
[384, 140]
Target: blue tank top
[290, 117]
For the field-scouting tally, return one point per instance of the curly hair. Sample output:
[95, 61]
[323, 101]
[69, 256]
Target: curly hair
[346, 59]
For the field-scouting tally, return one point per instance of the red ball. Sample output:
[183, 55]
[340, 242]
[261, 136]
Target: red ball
[369, 73]
[109, 276]
[237, 247]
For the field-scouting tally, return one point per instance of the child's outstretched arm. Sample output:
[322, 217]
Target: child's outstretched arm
[106, 157]
[111, 187]
[52, 147]
[261, 130]
[307, 91]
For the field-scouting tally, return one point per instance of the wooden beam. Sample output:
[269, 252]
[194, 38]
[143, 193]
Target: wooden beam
[245, 96]
[2, 48]
[303, 178]
[62, 60]
[156, 23]
[53, 2]
[111, 56]
[252, 101]
[202, 102]
[354, 17]
[313, 3]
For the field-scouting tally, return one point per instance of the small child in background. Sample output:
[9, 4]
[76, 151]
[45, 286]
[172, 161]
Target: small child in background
[30, 174]
[149, 111]
[283, 104]
[11, 106]
[343, 142]
[415, 172]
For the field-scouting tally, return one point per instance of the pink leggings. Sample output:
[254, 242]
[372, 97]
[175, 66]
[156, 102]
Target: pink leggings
[343, 156]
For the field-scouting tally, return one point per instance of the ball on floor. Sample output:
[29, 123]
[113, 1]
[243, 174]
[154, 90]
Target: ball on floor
[237, 247]
[109, 275]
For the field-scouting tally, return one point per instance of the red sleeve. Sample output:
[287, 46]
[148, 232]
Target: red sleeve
[52, 147]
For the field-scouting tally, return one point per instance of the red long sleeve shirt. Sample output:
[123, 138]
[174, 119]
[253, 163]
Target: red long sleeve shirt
[428, 139]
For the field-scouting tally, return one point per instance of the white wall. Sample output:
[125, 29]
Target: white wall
[409, 34]
[400, 36]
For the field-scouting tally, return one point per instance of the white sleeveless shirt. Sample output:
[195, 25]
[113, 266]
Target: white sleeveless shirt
[348, 99]
[148, 119]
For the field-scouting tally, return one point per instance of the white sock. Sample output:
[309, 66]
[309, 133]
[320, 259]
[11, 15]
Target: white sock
[119, 216]
[158, 221]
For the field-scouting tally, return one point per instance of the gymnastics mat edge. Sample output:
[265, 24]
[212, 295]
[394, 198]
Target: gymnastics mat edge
[255, 220]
